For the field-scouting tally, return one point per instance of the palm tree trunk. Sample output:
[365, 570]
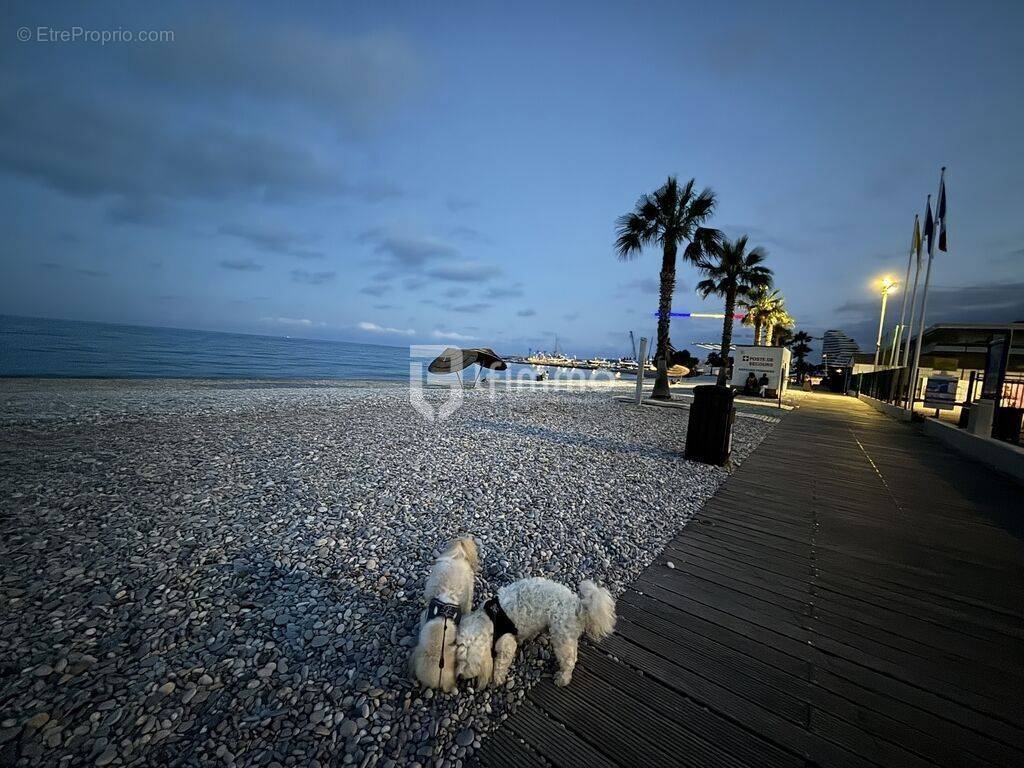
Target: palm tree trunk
[668, 286]
[769, 333]
[757, 333]
[730, 307]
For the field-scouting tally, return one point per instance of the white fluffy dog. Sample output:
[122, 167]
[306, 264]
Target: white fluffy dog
[447, 597]
[522, 610]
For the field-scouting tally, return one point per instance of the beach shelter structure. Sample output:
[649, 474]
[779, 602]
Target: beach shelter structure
[455, 360]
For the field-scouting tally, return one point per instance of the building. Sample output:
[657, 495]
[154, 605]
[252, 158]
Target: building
[964, 347]
[837, 349]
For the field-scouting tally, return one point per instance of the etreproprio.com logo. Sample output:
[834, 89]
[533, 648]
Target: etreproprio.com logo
[77, 34]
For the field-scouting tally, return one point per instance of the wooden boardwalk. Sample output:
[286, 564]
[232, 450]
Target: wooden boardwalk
[852, 596]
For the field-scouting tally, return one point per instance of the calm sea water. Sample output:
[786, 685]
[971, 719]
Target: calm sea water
[64, 348]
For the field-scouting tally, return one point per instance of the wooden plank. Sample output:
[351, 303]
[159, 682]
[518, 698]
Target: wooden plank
[502, 749]
[744, 682]
[624, 734]
[684, 627]
[553, 740]
[849, 597]
[714, 732]
[719, 699]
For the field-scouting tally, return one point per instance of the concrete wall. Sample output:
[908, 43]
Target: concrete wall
[886, 408]
[1002, 457]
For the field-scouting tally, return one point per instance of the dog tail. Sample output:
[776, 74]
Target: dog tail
[468, 547]
[597, 607]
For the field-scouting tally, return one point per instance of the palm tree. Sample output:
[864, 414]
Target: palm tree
[777, 317]
[801, 348]
[733, 273]
[668, 217]
[758, 306]
[783, 336]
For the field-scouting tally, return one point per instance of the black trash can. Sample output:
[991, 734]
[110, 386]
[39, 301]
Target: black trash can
[1007, 424]
[709, 434]
[965, 417]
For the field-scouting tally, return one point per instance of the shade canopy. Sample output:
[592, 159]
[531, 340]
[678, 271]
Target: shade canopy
[454, 360]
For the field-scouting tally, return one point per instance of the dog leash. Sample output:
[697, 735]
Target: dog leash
[446, 611]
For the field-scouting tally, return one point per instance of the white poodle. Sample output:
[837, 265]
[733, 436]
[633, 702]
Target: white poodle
[447, 596]
[521, 611]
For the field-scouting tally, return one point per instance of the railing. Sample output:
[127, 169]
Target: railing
[1008, 422]
[890, 386]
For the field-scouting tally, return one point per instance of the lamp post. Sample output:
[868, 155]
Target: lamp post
[888, 284]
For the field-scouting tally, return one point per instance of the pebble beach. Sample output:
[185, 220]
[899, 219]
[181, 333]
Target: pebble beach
[230, 573]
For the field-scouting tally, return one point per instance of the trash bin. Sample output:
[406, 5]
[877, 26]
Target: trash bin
[965, 417]
[709, 433]
[1007, 424]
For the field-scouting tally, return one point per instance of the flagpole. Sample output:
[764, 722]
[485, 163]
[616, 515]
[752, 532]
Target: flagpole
[913, 296]
[912, 389]
[903, 307]
[932, 236]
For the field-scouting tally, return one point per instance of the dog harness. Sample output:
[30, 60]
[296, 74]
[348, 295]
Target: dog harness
[503, 625]
[438, 609]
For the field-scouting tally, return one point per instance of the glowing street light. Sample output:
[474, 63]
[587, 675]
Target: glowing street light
[888, 285]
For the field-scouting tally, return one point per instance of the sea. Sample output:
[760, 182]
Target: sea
[73, 349]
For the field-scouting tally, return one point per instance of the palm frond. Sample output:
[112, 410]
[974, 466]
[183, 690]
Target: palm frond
[704, 242]
[708, 286]
[634, 231]
[700, 207]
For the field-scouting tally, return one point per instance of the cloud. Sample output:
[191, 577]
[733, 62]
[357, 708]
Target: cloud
[480, 306]
[993, 302]
[374, 328]
[384, 306]
[272, 240]
[457, 204]
[650, 285]
[1009, 257]
[292, 321]
[241, 265]
[761, 237]
[453, 335]
[376, 290]
[138, 210]
[405, 250]
[985, 303]
[143, 160]
[526, 313]
[312, 278]
[464, 272]
[502, 292]
[468, 234]
[86, 272]
[570, 316]
[427, 258]
[456, 292]
[354, 83]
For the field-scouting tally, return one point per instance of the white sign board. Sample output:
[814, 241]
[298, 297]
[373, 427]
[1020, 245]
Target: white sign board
[770, 362]
[940, 392]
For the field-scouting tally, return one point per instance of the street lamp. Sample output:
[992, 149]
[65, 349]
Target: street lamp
[888, 285]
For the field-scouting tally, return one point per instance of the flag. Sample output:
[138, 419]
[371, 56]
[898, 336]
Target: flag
[929, 224]
[940, 211]
[915, 243]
